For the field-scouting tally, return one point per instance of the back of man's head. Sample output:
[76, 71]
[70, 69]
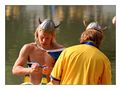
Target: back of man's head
[92, 35]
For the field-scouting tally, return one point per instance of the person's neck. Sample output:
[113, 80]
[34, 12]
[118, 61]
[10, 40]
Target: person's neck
[89, 42]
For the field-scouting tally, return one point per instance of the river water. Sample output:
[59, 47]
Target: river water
[21, 22]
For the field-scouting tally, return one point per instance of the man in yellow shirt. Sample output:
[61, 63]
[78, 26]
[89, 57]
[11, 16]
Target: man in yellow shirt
[84, 63]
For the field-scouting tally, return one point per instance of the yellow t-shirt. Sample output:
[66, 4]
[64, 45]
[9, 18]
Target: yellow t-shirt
[82, 64]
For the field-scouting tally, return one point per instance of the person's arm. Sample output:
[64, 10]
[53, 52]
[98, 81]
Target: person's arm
[18, 68]
[54, 81]
[58, 69]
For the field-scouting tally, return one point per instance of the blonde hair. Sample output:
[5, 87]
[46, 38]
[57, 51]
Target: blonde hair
[36, 35]
[92, 35]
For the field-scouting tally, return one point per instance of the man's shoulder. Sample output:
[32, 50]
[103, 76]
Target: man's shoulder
[73, 46]
[29, 46]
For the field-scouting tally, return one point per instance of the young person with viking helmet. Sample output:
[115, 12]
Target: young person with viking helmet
[43, 52]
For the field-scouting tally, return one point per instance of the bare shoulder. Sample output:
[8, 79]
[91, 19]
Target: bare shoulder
[28, 46]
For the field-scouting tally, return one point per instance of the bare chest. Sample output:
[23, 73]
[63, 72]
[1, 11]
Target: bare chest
[37, 56]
